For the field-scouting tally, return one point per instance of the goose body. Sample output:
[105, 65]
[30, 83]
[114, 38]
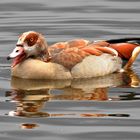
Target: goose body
[91, 66]
[79, 58]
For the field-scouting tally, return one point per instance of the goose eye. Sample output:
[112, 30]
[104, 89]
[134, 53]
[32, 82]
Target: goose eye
[31, 39]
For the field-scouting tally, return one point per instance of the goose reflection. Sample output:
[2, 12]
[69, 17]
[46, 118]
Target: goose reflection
[28, 102]
[31, 96]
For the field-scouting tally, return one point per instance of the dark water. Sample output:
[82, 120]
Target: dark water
[98, 108]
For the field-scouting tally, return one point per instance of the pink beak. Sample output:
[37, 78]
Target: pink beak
[18, 54]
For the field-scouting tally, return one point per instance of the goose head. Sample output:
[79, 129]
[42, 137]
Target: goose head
[29, 44]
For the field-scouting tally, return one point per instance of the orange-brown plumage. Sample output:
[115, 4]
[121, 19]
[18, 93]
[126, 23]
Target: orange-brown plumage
[68, 53]
[72, 52]
[124, 49]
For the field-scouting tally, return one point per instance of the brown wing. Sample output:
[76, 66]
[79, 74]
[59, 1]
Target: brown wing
[72, 52]
[78, 43]
[124, 49]
[68, 53]
[69, 57]
[58, 47]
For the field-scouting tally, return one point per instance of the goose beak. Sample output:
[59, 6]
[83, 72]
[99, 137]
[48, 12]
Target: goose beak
[18, 55]
[16, 52]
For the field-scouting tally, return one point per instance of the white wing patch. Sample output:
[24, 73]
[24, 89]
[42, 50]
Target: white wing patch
[93, 66]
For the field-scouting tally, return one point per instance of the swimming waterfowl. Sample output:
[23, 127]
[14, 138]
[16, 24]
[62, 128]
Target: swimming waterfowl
[80, 58]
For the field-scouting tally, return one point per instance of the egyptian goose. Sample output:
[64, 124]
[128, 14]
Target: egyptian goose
[33, 59]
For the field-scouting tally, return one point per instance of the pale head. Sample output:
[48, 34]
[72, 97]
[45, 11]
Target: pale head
[29, 44]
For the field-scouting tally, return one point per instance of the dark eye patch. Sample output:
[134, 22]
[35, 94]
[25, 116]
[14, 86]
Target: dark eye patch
[31, 39]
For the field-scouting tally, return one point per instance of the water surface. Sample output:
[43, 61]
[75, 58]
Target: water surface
[97, 108]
